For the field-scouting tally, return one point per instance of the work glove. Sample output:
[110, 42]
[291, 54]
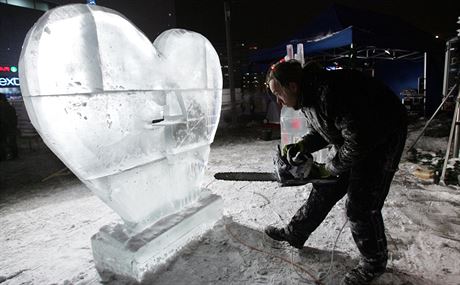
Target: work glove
[294, 153]
[296, 166]
[293, 148]
[319, 171]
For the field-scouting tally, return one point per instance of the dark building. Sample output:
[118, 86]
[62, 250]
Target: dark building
[15, 22]
[17, 17]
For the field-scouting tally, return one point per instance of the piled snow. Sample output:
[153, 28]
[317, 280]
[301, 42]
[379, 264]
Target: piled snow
[46, 227]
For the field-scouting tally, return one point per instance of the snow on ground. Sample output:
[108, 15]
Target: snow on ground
[46, 226]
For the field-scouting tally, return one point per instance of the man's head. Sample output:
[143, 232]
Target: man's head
[284, 80]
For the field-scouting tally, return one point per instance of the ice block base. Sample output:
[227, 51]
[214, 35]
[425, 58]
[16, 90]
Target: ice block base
[119, 256]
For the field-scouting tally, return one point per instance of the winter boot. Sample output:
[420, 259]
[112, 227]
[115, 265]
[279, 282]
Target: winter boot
[280, 234]
[362, 275]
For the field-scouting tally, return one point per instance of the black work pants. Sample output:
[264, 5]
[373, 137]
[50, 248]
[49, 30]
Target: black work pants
[366, 184]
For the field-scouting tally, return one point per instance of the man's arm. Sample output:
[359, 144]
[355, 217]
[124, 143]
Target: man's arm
[357, 143]
[313, 141]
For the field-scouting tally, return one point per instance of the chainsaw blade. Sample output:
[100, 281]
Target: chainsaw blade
[269, 177]
[246, 176]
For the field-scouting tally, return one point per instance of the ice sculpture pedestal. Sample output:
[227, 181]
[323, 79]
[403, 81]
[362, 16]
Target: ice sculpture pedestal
[119, 255]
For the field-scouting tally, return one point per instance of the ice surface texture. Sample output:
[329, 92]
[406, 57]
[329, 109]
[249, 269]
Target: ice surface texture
[132, 120]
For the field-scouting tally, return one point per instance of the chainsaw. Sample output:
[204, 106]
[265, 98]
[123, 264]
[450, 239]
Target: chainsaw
[295, 170]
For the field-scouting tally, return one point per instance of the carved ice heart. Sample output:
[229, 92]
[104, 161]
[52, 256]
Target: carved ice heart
[132, 120]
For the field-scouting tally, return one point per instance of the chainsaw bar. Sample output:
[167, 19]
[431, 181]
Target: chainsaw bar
[268, 177]
[246, 176]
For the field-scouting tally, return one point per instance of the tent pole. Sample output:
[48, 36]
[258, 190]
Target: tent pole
[456, 133]
[425, 66]
[432, 117]
[449, 143]
[352, 57]
[231, 79]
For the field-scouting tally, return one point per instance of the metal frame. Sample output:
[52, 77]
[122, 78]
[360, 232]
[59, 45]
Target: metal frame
[369, 52]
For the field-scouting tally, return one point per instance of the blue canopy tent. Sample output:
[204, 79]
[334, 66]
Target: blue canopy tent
[344, 33]
[334, 40]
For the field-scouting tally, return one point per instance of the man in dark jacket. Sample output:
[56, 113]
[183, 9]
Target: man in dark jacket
[365, 123]
[8, 126]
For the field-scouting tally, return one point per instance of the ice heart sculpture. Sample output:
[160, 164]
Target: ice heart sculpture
[132, 120]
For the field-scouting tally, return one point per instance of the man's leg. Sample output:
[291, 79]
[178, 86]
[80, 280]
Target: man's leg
[311, 214]
[369, 184]
[364, 205]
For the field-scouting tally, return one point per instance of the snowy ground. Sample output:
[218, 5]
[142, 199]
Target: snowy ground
[45, 226]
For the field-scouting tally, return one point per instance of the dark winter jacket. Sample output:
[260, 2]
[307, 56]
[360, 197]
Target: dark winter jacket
[351, 111]
[8, 119]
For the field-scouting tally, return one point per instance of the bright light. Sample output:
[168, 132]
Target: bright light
[333, 67]
[436, 36]
[8, 68]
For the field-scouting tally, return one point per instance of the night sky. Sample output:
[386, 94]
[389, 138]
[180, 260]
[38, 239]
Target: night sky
[266, 23]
